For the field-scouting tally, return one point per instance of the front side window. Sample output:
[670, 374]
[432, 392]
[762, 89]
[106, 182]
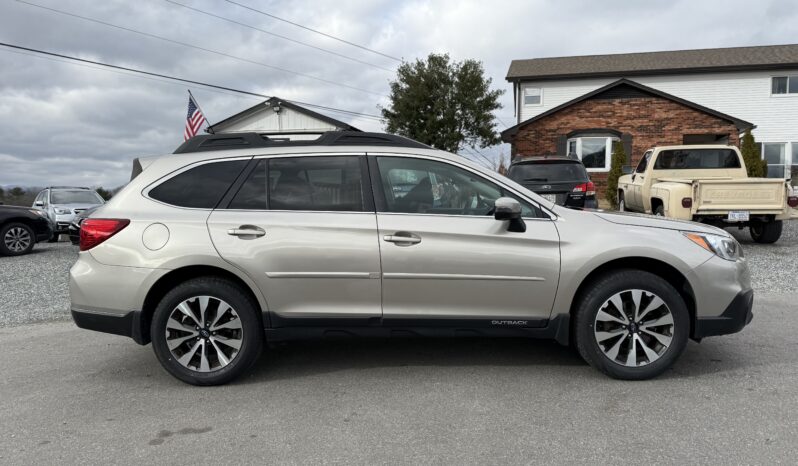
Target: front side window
[303, 183]
[419, 186]
[774, 154]
[696, 159]
[594, 152]
[784, 85]
[201, 187]
[643, 164]
[533, 96]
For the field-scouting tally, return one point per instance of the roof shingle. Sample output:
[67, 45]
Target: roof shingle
[671, 62]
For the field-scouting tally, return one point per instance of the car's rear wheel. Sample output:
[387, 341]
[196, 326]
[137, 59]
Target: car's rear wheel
[766, 233]
[16, 239]
[631, 324]
[207, 331]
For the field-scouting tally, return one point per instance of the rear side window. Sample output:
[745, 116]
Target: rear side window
[691, 159]
[303, 183]
[200, 187]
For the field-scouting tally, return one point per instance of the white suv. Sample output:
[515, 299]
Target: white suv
[238, 239]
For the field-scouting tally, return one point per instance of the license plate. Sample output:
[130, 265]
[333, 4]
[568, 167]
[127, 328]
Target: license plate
[550, 197]
[738, 216]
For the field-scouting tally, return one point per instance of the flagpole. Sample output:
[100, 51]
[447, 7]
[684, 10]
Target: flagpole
[208, 129]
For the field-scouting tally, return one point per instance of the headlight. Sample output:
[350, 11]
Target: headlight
[722, 246]
[60, 211]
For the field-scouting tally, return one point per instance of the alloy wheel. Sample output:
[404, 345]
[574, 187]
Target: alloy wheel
[634, 328]
[204, 333]
[17, 239]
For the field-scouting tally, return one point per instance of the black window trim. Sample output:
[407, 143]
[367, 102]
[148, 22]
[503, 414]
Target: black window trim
[365, 185]
[145, 192]
[382, 205]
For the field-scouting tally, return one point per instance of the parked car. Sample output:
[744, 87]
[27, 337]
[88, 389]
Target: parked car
[562, 180]
[709, 184]
[21, 228]
[74, 226]
[212, 250]
[61, 203]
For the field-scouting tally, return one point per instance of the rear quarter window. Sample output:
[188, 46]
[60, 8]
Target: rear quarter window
[201, 187]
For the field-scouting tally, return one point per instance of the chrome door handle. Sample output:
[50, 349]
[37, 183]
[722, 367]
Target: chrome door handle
[247, 230]
[402, 240]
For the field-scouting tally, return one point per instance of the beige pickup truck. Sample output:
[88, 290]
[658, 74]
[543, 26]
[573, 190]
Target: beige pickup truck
[709, 184]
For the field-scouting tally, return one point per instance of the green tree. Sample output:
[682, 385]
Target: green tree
[2, 194]
[756, 167]
[16, 192]
[447, 105]
[616, 170]
[104, 193]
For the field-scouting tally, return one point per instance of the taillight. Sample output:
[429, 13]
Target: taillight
[792, 201]
[687, 202]
[94, 231]
[588, 188]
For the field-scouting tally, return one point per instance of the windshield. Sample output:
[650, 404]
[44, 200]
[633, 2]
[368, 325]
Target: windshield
[75, 197]
[692, 159]
[548, 172]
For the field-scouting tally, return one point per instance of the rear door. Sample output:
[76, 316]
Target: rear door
[304, 229]
[447, 261]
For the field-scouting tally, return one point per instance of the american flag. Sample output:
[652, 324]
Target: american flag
[194, 120]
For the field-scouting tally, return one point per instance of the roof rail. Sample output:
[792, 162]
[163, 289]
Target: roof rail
[228, 141]
[66, 187]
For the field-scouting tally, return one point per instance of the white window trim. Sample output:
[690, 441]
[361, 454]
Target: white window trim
[607, 158]
[523, 96]
[787, 155]
[788, 93]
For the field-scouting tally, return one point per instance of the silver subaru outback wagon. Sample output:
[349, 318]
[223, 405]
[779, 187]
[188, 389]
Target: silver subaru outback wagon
[238, 240]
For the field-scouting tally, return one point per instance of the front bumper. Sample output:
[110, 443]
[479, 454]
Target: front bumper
[737, 315]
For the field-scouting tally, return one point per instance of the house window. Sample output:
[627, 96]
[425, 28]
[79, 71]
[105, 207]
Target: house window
[784, 85]
[794, 169]
[594, 152]
[533, 96]
[774, 153]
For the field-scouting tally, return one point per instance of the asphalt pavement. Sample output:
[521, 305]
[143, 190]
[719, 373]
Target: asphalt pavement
[73, 396]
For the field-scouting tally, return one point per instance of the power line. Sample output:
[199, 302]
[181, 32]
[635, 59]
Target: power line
[474, 159]
[207, 13]
[174, 78]
[216, 52]
[313, 30]
[477, 152]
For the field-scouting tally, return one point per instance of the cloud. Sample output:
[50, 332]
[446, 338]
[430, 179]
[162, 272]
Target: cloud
[67, 124]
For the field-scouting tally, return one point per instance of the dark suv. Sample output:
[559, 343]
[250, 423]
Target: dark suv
[561, 180]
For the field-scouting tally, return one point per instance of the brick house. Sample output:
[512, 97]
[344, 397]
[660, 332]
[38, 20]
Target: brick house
[680, 96]
[626, 112]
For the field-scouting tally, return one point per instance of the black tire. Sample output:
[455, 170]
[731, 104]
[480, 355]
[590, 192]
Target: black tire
[766, 233]
[598, 292]
[248, 312]
[15, 229]
[621, 202]
[54, 238]
[659, 211]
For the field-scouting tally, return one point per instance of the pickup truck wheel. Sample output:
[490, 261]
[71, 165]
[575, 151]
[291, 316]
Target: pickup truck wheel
[766, 233]
[621, 203]
[206, 331]
[659, 211]
[631, 324]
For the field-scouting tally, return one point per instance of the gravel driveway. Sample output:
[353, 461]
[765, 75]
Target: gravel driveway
[35, 287]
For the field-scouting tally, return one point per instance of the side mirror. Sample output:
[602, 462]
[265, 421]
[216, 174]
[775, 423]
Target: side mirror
[507, 208]
[38, 204]
[626, 170]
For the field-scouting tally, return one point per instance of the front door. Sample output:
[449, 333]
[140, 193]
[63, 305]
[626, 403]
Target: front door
[447, 261]
[304, 229]
[635, 202]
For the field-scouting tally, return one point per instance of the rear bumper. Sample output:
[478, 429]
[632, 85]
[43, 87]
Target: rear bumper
[737, 315]
[128, 325]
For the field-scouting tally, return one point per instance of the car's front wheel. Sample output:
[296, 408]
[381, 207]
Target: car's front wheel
[631, 324]
[207, 331]
[16, 239]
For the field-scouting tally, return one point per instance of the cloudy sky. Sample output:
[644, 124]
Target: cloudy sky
[67, 124]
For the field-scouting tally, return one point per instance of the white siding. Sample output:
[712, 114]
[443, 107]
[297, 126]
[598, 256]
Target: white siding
[286, 120]
[743, 95]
